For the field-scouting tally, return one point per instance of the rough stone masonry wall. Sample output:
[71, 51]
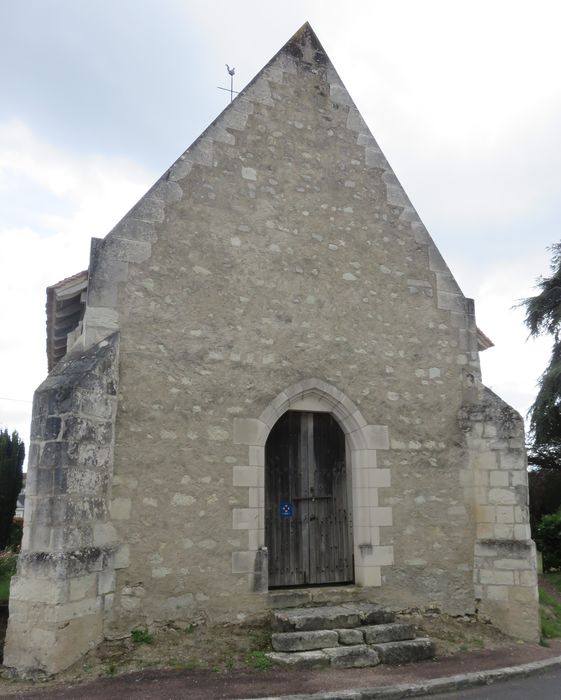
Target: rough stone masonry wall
[65, 579]
[279, 249]
[505, 570]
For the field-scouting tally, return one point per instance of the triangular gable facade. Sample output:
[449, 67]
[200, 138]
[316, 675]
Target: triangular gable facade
[275, 383]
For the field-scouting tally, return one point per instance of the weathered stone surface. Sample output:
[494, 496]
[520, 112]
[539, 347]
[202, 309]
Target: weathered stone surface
[60, 562]
[321, 618]
[304, 641]
[350, 636]
[357, 656]
[406, 651]
[392, 632]
[372, 614]
[300, 659]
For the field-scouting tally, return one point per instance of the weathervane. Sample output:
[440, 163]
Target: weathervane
[231, 90]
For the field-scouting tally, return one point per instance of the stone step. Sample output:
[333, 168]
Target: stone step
[322, 639]
[357, 656]
[405, 651]
[393, 632]
[344, 616]
[305, 641]
[299, 659]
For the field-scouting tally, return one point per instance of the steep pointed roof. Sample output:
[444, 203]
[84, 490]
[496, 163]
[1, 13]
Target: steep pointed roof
[322, 99]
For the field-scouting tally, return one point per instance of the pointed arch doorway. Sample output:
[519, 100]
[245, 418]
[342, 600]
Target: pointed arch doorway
[308, 520]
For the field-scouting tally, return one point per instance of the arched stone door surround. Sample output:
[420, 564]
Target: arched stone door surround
[363, 441]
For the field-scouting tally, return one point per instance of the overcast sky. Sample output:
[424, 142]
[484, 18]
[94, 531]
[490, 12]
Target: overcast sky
[98, 98]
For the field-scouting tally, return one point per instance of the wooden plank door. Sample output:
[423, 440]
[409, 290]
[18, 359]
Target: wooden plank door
[307, 519]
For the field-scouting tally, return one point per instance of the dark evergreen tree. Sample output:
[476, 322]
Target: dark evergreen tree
[543, 316]
[12, 453]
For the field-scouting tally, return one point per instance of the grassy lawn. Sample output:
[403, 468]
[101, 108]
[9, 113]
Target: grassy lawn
[550, 608]
[7, 570]
[554, 578]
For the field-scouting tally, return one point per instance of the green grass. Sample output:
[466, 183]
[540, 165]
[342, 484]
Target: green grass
[7, 570]
[259, 661]
[554, 578]
[142, 637]
[550, 614]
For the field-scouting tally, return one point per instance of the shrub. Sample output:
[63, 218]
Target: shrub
[548, 539]
[8, 563]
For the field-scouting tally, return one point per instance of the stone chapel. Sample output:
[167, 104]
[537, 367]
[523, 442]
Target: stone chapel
[267, 379]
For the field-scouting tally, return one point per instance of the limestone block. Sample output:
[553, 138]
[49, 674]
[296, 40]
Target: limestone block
[38, 590]
[245, 518]
[504, 578]
[126, 250]
[249, 173]
[499, 478]
[299, 659]
[514, 460]
[502, 496]
[381, 516]
[69, 611]
[371, 555]
[106, 583]
[522, 532]
[450, 302]
[368, 576]
[248, 476]
[339, 95]
[528, 578]
[103, 317]
[355, 122]
[256, 456]
[504, 514]
[374, 158]
[345, 616]
[104, 534]
[256, 497]
[363, 459]
[365, 497]
[377, 437]
[122, 555]
[365, 534]
[497, 592]
[256, 539]
[379, 478]
[391, 632]
[485, 531]
[358, 656]
[311, 403]
[83, 587]
[304, 641]
[349, 636]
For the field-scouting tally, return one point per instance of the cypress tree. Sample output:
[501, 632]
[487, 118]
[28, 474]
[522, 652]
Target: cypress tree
[12, 453]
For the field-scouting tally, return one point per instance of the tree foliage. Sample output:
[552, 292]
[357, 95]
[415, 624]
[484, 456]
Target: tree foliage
[543, 316]
[545, 494]
[12, 453]
[548, 539]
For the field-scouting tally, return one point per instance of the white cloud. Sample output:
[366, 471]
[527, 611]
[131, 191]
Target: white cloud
[513, 367]
[96, 192]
